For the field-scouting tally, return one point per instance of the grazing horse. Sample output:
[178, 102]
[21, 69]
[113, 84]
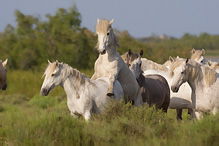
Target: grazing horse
[154, 88]
[3, 74]
[204, 83]
[84, 95]
[110, 64]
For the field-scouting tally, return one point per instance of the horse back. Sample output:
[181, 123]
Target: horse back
[155, 90]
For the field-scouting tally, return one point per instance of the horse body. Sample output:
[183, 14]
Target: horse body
[84, 95]
[110, 64]
[3, 75]
[154, 88]
[180, 100]
[204, 83]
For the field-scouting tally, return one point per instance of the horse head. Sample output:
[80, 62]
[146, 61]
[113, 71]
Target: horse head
[106, 36]
[52, 77]
[179, 74]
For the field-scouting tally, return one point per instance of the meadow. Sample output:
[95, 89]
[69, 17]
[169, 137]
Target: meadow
[26, 118]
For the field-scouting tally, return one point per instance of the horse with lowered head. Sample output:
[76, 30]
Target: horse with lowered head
[3, 74]
[110, 64]
[154, 88]
[84, 96]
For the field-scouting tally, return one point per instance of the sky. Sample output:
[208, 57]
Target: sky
[141, 18]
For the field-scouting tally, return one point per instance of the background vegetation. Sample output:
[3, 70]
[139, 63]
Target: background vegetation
[27, 118]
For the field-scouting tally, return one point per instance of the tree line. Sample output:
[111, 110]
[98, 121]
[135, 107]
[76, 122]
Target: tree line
[31, 42]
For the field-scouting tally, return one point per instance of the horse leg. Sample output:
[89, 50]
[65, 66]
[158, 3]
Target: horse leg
[179, 114]
[87, 115]
[191, 111]
[110, 89]
[138, 101]
[199, 115]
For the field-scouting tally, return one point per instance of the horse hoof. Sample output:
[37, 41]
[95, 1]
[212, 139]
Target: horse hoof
[110, 94]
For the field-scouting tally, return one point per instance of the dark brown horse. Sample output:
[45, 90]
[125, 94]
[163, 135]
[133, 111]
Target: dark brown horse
[154, 88]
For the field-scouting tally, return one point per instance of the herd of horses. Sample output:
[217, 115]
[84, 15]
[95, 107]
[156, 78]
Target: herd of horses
[177, 84]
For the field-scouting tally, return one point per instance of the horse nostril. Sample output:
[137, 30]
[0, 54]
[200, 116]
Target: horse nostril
[104, 51]
[43, 91]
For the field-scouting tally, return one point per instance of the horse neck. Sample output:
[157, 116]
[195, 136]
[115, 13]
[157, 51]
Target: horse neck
[141, 79]
[195, 78]
[111, 49]
[73, 82]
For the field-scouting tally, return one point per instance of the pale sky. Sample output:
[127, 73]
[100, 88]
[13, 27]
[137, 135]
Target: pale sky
[140, 17]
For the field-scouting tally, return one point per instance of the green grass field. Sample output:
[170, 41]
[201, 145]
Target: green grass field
[26, 118]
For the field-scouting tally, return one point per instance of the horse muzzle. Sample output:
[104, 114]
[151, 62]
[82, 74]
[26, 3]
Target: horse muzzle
[103, 52]
[44, 92]
[5, 87]
[174, 88]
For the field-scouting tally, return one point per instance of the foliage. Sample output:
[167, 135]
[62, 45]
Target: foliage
[23, 123]
[61, 37]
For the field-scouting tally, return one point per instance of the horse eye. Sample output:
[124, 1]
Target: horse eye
[129, 65]
[53, 75]
[140, 64]
[107, 33]
[182, 72]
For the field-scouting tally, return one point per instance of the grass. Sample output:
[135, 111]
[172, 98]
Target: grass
[26, 118]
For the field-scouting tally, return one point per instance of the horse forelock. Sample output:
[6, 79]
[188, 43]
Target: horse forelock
[50, 69]
[103, 26]
[197, 55]
[174, 65]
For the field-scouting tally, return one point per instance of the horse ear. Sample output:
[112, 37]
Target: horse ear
[203, 51]
[130, 52]
[5, 63]
[193, 51]
[141, 53]
[49, 61]
[171, 59]
[187, 60]
[209, 63]
[111, 22]
[98, 20]
[57, 63]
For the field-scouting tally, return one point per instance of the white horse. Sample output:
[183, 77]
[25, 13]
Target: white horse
[110, 64]
[204, 83]
[214, 65]
[3, 74]
[84, 95]
[198, 56]
[180, 100]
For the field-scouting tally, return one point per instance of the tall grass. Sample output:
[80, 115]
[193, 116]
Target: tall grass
[26, 122]
[26, 118]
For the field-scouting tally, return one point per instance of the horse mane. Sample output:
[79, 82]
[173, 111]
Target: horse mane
[209, 75]
[155, 66]
[67, 70]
